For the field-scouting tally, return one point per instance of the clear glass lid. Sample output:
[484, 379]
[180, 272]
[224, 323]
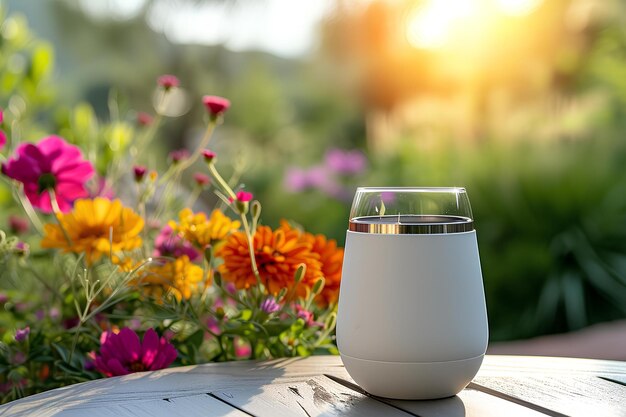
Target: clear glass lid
[411, 210]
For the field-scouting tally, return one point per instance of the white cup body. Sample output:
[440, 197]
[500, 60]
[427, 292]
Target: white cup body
[412, 321]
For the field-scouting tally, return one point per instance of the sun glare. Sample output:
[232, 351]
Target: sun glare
[434, 23]
[517, 7]
[430, 25]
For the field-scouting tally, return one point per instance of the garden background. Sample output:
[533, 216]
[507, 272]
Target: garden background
[521, 102]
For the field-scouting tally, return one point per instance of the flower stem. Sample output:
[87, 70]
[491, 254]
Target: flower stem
[29, 210]
[250, 239]
[183, 165]
[221, 182]
[58, 214]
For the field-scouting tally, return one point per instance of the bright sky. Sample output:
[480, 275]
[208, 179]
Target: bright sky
[283, 27]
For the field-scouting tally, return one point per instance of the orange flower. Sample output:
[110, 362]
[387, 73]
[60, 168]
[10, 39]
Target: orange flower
[179, 277]
[278, 255]
[200, 231]
[331, 258]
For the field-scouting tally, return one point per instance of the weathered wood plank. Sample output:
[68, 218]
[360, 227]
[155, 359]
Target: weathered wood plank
[317, 396]
[494, 365]
[572, 395]
[191, 406]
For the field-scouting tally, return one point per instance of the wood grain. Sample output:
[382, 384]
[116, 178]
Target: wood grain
[505, 385]
[319, 396]
[571, 395]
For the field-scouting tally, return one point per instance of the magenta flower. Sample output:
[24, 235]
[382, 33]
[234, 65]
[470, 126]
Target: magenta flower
[168, 81]
[140, 172]
[201, 179]
[244, 196]
[3, 136]
[215, 105]
[168, 243]
[52, 164]
[22, 334]
[208, 155]
[269, 305]
[345, 162]
[123, 353]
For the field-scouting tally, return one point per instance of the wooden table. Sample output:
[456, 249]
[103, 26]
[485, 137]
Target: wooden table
[319, 385]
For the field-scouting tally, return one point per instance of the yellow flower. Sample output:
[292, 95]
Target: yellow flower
[178, 277]
[200, 231]
[95, 227]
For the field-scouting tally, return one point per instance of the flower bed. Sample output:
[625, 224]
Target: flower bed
[117, 271]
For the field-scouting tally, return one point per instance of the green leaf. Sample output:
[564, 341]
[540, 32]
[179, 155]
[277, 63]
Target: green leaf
[196, 338]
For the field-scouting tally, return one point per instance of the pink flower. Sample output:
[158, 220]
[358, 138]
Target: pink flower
[201, 179]
[22, 334]
[140, 172]
[168, 243]
[215, 105]
[168, 81]
[18, 225]
[123, 353]
[345, 162]
[306, 315]
[178, 155]
[269, 305]
[242, 348]
[22, 249]
[208, 155]
[52, 164]
[144, 119]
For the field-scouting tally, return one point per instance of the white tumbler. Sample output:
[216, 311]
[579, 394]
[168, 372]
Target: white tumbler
[412, 321]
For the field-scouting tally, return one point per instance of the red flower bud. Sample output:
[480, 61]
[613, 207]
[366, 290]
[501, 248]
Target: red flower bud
[208, 155]
[215, 105]
[18, 225]
[144, 119]
[178, 155]
[140, 172]
[201, 179]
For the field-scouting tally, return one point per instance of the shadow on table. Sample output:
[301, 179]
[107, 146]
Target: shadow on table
[146, 391]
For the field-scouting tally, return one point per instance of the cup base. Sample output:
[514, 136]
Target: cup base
[412, 380]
